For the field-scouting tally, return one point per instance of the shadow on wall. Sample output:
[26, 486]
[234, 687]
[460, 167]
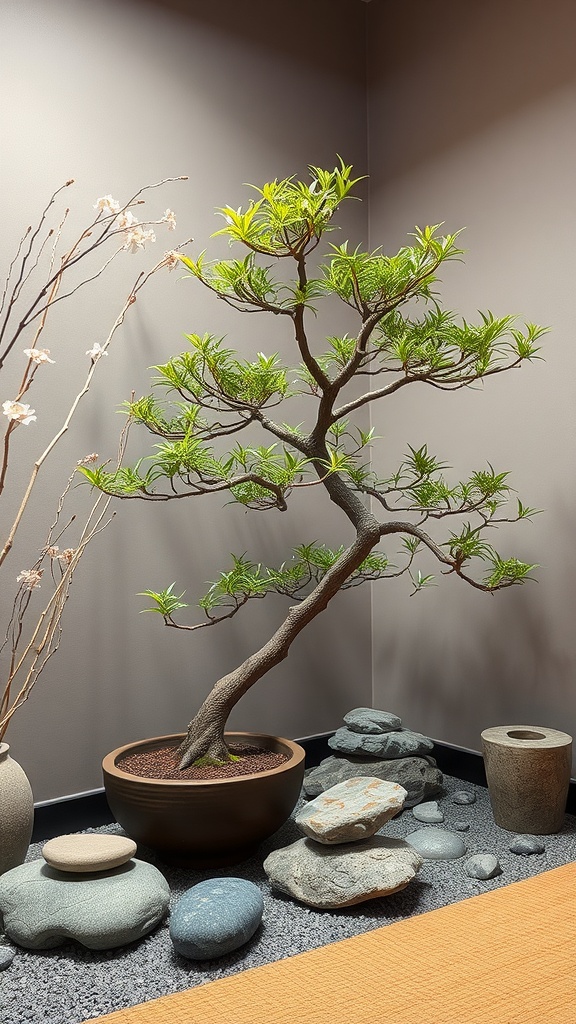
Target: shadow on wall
[510, 668]
[485, 61]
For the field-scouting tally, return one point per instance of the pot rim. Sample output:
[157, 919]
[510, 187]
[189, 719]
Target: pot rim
[109, 766]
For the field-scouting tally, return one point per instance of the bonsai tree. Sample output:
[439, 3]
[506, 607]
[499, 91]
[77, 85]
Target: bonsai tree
[404, 338]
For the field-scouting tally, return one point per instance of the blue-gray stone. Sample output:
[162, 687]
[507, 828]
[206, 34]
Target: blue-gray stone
[460, 826]
[419, 776]
[369, 720]
[463, 796]
[483, 866]
[7, 955]
[526, 845]
[389, 745]
[436, 844]
[43, 907]
[215, 917]
[428, 812]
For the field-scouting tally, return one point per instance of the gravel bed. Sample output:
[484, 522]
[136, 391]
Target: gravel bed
[70, 984]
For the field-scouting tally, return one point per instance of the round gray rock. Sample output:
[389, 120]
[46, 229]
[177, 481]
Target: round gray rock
[527, 845]
[369, 720]
[43, 907]
[483, 866]
[215, 917]
[389, 745]
[436, 844]
[341, 876]
[429, 812]
[463, 797]
[7, 955]
[418, 776]
[460, 826]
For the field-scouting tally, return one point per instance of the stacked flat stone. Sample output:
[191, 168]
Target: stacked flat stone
[342, 861]
[85, 887]
[374, 743]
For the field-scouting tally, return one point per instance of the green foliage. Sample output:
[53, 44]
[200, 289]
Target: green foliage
[507, 572]
[291, 216]
[166, 602]
[209, 395]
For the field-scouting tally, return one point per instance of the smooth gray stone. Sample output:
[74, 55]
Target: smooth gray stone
[215, 917]
[342, 876]
[483, 866]
[436, 844]
[369, 720]
[417, 775]
[43, 907]
[428, 812]
[389, 745]
[7, 955]
[460, 826]
[351, 811]
[463, 797]
[526, 845]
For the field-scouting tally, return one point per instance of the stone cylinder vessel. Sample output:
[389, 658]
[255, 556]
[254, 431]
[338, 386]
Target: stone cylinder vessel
[16, 812]
[528, 774]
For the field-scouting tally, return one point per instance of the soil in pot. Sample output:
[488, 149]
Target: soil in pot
[162, 763]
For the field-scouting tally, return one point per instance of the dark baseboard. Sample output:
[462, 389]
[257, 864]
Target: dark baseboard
[90, 810]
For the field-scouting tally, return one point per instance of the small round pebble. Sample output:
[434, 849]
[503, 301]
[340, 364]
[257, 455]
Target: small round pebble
[463, 796]
[483, 866]
[460, 826]
[85, 853]
[526, 845]
[429, 812]
[436, 844]
[7, 955]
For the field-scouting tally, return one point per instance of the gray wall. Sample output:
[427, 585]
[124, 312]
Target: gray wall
[471, 122]
[117, 95]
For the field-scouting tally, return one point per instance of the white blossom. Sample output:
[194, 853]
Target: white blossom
[38, 355]
[67, 555]
[171, 259]
[19, 412]
[30, 578]
[96, 351]
[169, 218]
[126, 220]
[137, 237]
[93, 457]
[107, 205]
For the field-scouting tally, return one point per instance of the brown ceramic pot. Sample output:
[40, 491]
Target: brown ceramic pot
[209, 822]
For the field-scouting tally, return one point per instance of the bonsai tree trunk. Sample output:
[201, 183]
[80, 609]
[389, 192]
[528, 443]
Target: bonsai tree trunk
[205, 736]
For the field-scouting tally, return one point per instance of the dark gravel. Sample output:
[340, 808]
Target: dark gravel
[70, 984]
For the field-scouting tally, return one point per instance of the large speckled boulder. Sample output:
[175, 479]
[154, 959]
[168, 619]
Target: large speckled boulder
[341, 876]
[351, 811]
[43, 907]
[419, 776]
[389, 745]
[215, 917]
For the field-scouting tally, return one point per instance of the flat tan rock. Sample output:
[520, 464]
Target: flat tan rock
[352, 810]
[86, 853]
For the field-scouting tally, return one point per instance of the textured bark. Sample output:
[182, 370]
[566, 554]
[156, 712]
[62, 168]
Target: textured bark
[205, 736]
